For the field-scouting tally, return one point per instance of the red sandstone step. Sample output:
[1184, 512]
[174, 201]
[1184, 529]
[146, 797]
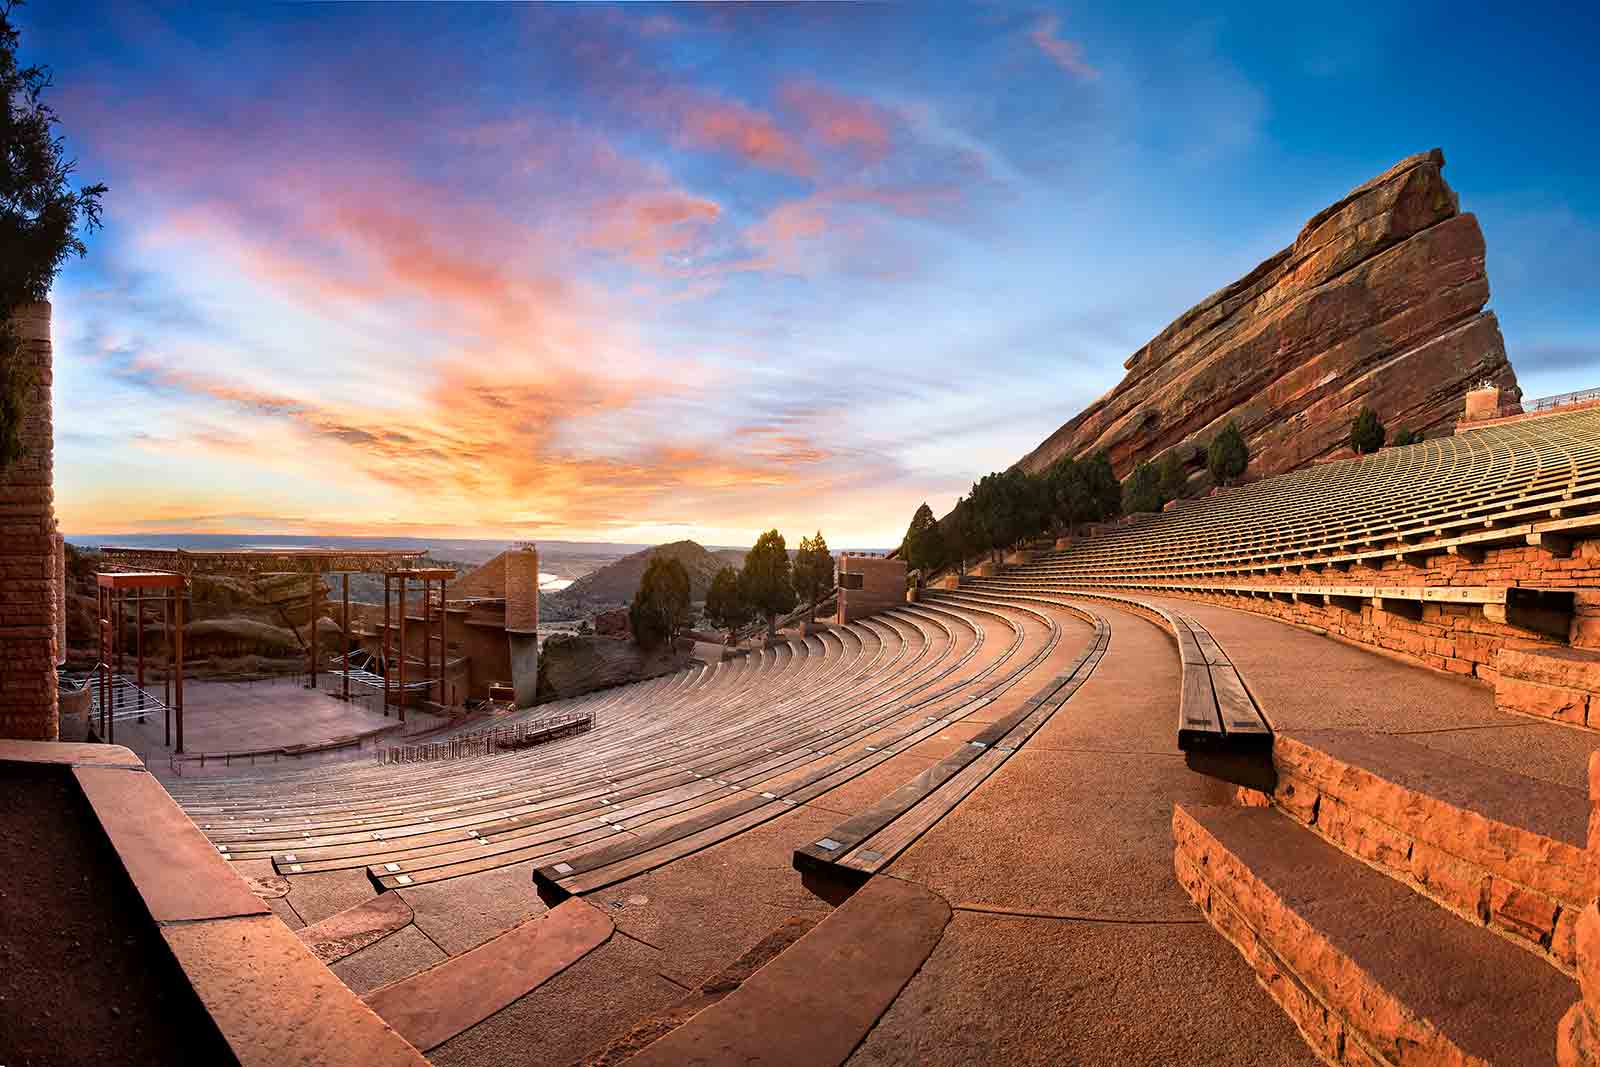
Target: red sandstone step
[815, 1002]
[353, 929]
[432, 1006]
[1558, 683]
[1504, 850]
[1370, 971]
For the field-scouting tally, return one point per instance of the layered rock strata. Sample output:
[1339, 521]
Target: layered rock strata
[1379, 300]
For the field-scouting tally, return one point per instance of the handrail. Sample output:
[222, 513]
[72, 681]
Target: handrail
[1546, 403]
[488, 742]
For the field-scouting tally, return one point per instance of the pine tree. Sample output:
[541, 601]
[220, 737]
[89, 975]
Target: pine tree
[1142, 490]
[1366, 432]
[725, 604]
[766, 582]
[813, 571]
[923, 546]
[660, 609]
[1228, 456]
[1171, 478]
[39, 218]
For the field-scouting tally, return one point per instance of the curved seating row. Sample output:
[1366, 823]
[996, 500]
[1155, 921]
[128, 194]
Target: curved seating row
[672, 764]
[1536, 481]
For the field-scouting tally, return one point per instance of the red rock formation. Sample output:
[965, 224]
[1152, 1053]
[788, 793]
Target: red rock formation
[1379, 301]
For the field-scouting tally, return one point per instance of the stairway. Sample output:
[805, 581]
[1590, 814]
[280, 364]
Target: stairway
[1401, 904]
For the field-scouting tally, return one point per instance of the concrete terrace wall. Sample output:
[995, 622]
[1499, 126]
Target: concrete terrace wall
[1458, 638]
[488, 580]
[883, 585]
[29, 617]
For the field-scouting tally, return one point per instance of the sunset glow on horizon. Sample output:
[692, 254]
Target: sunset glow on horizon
[645, 272]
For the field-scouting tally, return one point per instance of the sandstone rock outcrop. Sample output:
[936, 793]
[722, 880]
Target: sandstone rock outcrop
[1379, 300]
[573, 664]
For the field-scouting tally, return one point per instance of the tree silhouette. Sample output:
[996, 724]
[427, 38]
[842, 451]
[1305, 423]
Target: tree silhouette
[1366, 432]
[40, 215]
[660, 609]
[765, 582]
[813, 571]
[1228, 456]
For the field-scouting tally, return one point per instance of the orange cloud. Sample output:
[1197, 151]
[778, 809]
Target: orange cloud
[745, 132]
[840, 121]
[1068, 55]
[647, 226]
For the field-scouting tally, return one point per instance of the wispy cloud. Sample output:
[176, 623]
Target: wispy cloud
[1064, 53]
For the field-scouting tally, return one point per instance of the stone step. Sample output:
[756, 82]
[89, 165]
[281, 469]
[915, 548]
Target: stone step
[1370, 972]
[815, 1001]
[660, 1023]
[1500, 849]
[432, 1006]
[358, 926]
[1555, 682]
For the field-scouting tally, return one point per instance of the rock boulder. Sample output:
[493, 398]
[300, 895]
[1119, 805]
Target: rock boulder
[1379, 301]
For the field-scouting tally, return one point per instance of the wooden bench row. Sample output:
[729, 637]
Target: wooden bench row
[867, 842]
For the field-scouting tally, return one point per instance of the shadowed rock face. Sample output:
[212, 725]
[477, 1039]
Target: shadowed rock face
[1379, 301]
[573, 664]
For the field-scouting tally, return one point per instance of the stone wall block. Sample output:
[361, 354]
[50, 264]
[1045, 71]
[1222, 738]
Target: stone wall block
[31, 612]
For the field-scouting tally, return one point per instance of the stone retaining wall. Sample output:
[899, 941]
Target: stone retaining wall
[1458, 638]
[29, 616]
[1529, 895]
[882, 585]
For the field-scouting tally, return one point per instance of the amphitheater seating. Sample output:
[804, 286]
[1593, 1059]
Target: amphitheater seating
[671, 765]
[866, 843]
[1495, 486]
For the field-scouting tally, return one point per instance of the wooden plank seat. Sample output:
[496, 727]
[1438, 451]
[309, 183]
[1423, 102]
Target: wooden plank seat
[864, 844]
[552, 795]
[362, 789]
[572, 834]
[615, 862]
[1215, 710]
[1483, 480]
[230, 788]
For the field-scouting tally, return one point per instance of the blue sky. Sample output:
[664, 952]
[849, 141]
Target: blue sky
[642, 272]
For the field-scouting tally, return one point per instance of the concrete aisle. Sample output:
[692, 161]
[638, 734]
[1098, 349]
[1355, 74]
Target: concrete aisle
[680, 923]
[1072, 943]
[1305, 681]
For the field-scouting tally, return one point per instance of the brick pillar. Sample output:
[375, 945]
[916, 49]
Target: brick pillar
[1482, 403]
[59, 569]
[522, 622]
[1578, 1035]
[27, 553]
[868, 585]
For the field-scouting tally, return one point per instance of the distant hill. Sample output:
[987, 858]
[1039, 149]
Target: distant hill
[617, 582]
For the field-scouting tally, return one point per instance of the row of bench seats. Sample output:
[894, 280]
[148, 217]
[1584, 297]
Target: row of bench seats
[1536, 481]
[671, 765]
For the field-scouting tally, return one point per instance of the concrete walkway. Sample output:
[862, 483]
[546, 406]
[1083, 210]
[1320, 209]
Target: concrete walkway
[1305, 681]
[679, 923]
[1072, 942]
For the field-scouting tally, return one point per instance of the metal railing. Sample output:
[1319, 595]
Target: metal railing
[488, 742]
[1561, 400]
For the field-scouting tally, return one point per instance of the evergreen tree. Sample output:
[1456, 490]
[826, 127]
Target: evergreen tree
[1366, 432]
[660, 609]
[725, 604]
[1103, 485]
[1171, 478]
[765, 582]
[923, 547]
[969, 531]
[1406, 437]
[1228, 456]
[1142, 490]
[813, 571]
[39, 218]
